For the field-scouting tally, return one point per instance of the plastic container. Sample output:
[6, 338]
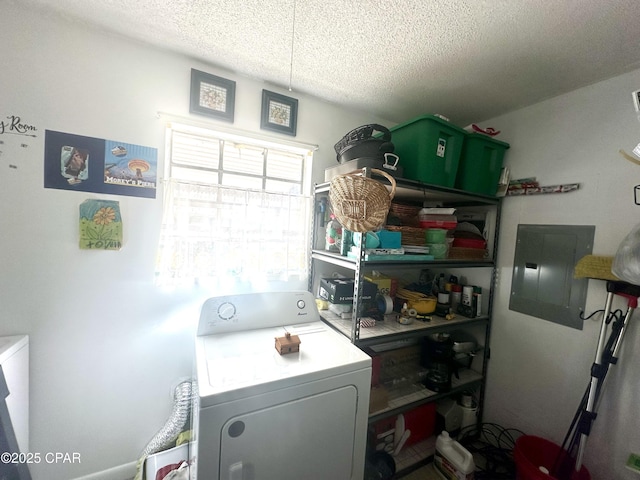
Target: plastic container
[421, 421]
[452, 461]
[429, 149]
[469, 243]
[438, 250]
[480, 164]
[333, 238]
[436, 235]
[534, 456]
[447, 222]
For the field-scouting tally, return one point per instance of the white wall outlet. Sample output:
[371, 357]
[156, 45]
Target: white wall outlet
[636, 100]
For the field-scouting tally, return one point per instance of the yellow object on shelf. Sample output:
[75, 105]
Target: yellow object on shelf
[322, 304]
[386, 285]
[595, 266]
[423, 304]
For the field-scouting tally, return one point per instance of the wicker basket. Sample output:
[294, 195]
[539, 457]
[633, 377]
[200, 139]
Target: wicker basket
[410, 235]
[407, 214]
[361, 204]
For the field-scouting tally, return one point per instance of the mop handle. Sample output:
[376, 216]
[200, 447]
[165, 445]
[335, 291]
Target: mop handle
[631, 293]
[594, 379]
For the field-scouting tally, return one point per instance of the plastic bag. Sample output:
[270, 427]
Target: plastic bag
[626, 263]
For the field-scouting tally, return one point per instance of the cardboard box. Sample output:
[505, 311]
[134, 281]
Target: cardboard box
[393, 363]
[340, 290]
[378, 399]
[386, 285]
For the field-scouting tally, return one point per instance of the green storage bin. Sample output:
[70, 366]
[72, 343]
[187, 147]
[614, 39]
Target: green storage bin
[429, 149]
[480, 164]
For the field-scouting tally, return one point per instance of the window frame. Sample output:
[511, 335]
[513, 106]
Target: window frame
[242, 137]
[266, 146]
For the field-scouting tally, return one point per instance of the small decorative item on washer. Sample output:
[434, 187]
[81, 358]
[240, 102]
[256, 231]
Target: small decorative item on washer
[288, 344]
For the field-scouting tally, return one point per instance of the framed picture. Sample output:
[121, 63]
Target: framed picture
[212, 96]
[279, 113]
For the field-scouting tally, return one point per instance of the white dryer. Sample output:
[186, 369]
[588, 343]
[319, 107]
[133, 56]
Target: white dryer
[259, 415]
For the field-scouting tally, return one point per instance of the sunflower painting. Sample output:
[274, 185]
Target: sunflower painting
[100, 225]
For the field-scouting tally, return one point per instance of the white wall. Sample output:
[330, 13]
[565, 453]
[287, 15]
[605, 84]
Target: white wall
[107, 347]
[539, 370]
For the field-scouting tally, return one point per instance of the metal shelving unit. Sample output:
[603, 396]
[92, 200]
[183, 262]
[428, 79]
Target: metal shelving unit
[404, 399]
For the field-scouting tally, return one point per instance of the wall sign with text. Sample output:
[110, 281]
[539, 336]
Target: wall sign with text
[75, 162]
[16, 135]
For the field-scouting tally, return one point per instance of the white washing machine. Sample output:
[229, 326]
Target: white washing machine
[14, 404]
[259, 415]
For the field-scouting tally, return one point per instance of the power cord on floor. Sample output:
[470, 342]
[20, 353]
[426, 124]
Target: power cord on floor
[492, 447]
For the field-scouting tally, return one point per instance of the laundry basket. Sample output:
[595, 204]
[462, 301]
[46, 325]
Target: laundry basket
[361, 204]
[533, 455]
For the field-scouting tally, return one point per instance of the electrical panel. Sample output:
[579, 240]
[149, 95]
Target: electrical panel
[543, 284]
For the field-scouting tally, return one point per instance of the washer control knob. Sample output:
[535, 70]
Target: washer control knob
[226, 311]
[301, 304]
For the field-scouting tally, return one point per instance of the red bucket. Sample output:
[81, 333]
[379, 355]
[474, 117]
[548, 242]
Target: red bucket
[531, 453]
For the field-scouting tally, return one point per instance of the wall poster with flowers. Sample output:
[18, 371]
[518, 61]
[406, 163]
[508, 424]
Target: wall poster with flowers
[100, 225]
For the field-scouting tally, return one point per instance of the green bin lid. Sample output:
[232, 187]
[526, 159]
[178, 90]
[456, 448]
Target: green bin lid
[431, 118]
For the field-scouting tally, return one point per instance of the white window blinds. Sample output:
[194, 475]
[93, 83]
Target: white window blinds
[236, 212]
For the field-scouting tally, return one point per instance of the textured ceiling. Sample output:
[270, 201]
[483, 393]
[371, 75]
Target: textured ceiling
[469, 60]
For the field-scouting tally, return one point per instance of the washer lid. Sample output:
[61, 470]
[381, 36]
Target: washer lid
[10, 345]
[228, 364]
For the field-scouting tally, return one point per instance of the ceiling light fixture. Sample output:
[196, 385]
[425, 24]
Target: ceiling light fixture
[293, 33]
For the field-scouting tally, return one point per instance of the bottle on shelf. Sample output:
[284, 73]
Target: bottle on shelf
[477, 301]
[456, 296]
[443, 304]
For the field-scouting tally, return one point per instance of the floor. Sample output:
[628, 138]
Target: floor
[423, 473]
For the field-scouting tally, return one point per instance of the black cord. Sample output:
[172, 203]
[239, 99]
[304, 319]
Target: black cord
[493, 446]
[582, 317]
[616, 314]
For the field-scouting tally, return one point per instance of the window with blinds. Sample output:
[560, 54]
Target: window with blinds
[236, 212]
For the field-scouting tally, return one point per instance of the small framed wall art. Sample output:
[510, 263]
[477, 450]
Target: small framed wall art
[212, 95]
[279, 113]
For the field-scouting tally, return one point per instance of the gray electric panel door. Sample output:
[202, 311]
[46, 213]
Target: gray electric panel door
[543, 285]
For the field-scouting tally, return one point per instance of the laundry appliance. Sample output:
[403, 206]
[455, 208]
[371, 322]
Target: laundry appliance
[261, 415]
[14, 406]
